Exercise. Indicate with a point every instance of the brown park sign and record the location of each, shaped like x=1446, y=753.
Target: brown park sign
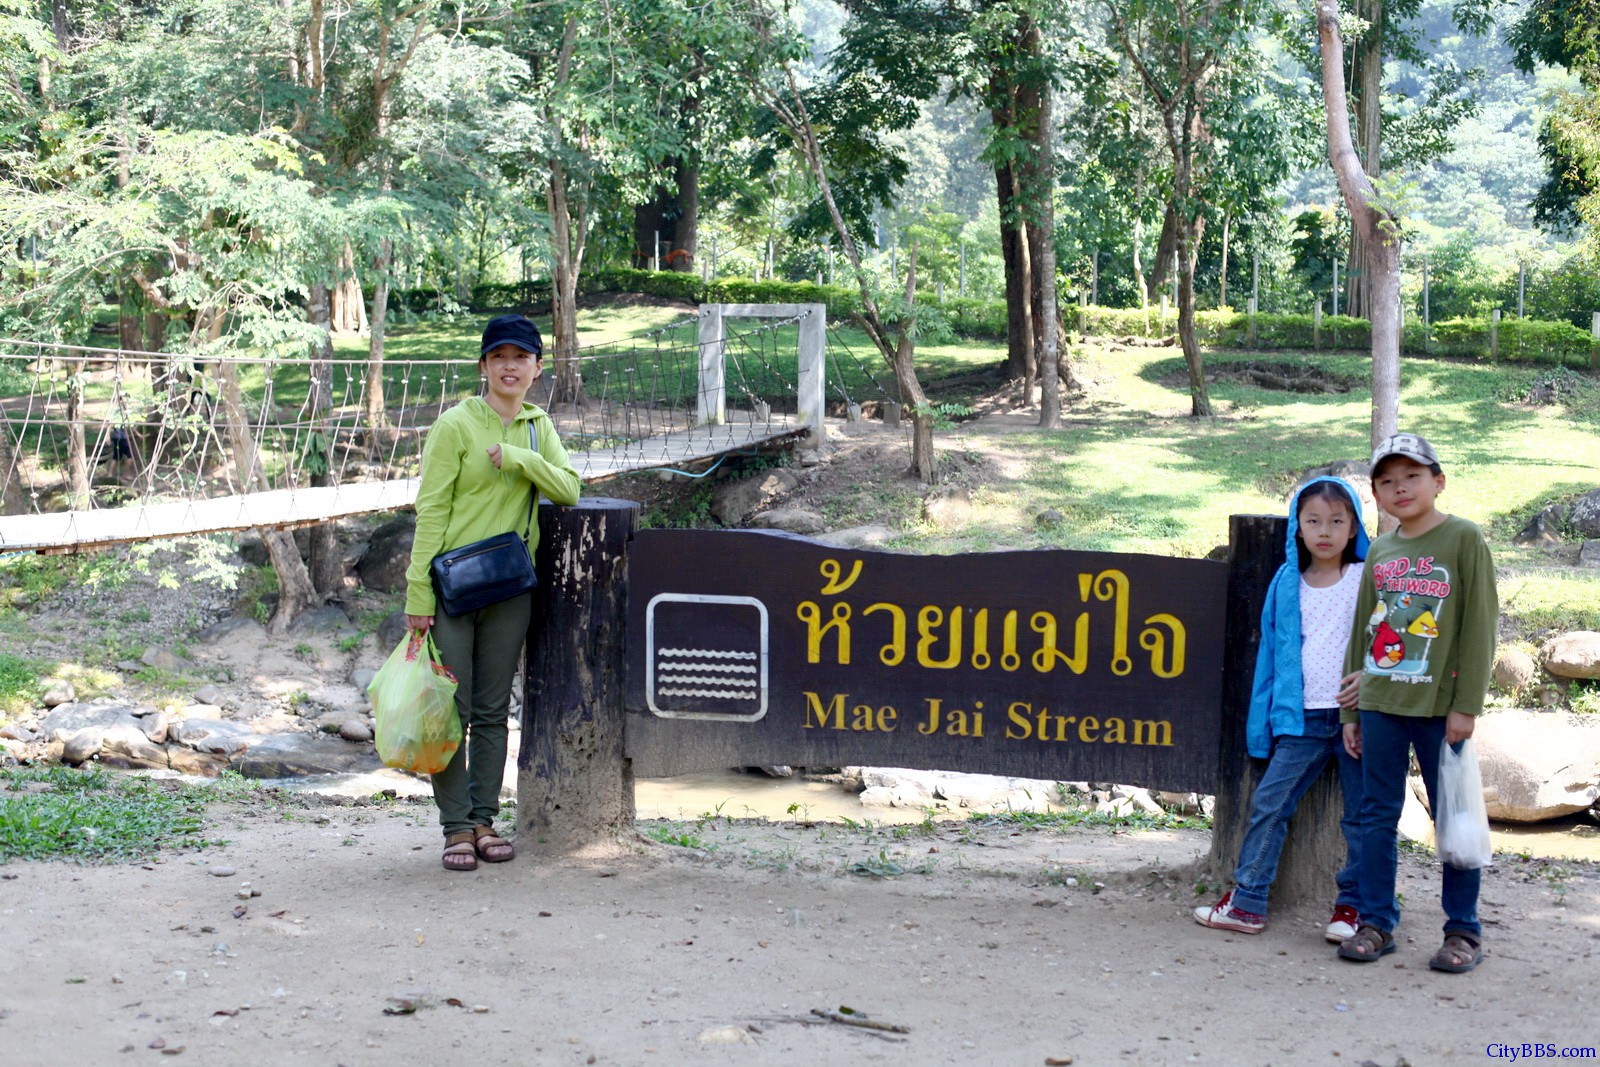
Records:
x=750, y=648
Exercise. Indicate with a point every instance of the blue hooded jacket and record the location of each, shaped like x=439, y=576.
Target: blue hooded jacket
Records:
x=1277, y=696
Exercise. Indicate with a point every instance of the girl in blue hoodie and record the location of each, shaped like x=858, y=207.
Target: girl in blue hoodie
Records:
x=1294, y=707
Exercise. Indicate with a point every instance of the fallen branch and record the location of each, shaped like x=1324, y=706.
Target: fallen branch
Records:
x=865, y=1024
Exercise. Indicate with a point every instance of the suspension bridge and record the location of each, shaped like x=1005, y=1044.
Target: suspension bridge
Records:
x=100, y=447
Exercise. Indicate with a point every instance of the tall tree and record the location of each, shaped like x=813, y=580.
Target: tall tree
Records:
x=1378, y=225
x=1566, y=33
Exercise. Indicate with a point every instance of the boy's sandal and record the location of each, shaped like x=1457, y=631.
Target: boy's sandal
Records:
x=491, y=847
x=1367, y=944
x=1459, y=954
x=459, y=854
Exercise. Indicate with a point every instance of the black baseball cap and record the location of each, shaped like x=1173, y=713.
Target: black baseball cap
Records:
x=512, y=330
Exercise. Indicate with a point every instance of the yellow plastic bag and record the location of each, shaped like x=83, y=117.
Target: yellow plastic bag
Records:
x=414, y=701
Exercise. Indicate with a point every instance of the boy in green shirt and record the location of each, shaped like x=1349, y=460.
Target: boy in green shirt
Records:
x=1417, y=669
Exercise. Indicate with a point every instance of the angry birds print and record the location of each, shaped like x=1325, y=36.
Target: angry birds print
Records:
x=1387, y=647
x=1424, y=626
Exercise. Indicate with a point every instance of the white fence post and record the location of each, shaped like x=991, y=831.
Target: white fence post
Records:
x=813, y=362
x=711, y=404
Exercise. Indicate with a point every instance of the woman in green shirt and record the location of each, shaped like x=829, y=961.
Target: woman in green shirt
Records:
x=480, y=462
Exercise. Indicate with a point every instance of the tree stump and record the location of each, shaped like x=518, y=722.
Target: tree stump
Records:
x=574, y=786
x=1314, y=850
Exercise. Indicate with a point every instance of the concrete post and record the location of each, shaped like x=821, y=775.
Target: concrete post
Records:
x=711, y=403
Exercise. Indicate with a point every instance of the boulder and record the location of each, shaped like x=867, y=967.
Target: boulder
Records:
x=1573, y=655
x=228, y=627
x=1589, y=554
x=58, y=694
x=155, y=727
x=82, y=745
x=208, y=694
x=127, y=746
x=324, y=620
x=1583, y=515
x=1049, y=519
x=296, y=755
x=362, y=677
x=1538, y=765
x=252, y=549
x=215, y=737
x=200, y=764
x=1514, y=670
x=383, y=566
x=355, y=730
x=70, y=719
x=391, y=631
x=789, y=520
x=1544, y=528
x=858, y=537
x=732, y=501
x=163, y=659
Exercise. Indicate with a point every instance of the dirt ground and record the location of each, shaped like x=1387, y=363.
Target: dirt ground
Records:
x=995, y=946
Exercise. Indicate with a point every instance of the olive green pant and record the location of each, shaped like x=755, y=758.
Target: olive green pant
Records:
x=482, y=649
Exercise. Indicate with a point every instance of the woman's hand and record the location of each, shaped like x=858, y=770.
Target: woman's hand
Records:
x=494, y=455
x=420, y=623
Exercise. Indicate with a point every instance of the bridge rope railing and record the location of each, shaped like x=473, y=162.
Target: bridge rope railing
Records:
x=85, y=428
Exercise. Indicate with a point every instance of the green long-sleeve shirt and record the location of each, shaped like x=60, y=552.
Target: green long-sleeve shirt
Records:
x=1424, y=630
x=463, y=497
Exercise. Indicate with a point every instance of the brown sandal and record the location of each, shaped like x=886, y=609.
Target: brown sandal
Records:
x=459, y=853
x=1367, y=944
x=1459, y=954
x=491, y=848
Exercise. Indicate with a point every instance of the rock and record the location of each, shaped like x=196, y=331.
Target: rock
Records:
x=200, y=764
x=294, y=755
x=127, y=746
x=1049, y=519
x=946, y=504
x=155, y=727
x=252, y=549
x=880, y=796
x=129, y=666
x=325, y=620
x=732, y=501
x=777, y=770
x=1537, y=765
x=228, y=627
x=70, y=719
x=812, y=457
x=208, y=694
x=1573, y=655
x=82, y=745
x=1583, y=515
x=1589, y=554
x=388, y=555
x=215, y=737
x=58, y=694
x=222, y=872
x=1514, y=670
x=17, y=732
x=362, y=677
x=344, y=701
x=163, y=659
x=858, y=537
x=355, y=730
x=1544, y=528
x=789, y=520
x=391, y=631
x=1220, y=553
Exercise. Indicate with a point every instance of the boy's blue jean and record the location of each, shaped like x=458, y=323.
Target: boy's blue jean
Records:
x=1296, y=764
x=1386, y=743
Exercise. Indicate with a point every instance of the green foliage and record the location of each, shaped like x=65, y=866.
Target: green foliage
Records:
x=93, y=817
x=19, y=684
x=674, y=836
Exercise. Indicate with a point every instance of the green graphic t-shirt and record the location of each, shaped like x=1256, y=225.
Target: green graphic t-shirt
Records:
x=1424, y=631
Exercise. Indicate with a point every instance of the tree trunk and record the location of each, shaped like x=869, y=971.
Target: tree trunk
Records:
x=563, y=291
x=1189, y=235
x=1166, y=250
x=373, y=411
x=654, y=227
x=348, y=312
x=1020, y=362
x=1380, y=232
x=574, y=786
x=1222, y=288
x=1366, y=86
x=327, y=568
x=1139, y=282
x=1043, y=252
x=295, y=592
x=687, y=236
x=77, y=451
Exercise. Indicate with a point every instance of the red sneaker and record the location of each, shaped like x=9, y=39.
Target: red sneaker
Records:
x=1343, y=925
x=1224, y=916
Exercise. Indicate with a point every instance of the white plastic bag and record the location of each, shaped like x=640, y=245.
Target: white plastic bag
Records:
x=1461, y=821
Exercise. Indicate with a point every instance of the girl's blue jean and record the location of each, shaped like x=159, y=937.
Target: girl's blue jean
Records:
x=1296, y=764
x=1386, y=744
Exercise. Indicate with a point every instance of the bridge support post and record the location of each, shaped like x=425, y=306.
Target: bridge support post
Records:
x=813, y=359
x=711, y=404
x=574, y=786
x=1315, y=848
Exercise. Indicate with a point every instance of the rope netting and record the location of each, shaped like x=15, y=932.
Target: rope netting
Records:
x=85, y=429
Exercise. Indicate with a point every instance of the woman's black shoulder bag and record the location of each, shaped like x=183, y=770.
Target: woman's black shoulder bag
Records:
x=486, y=572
